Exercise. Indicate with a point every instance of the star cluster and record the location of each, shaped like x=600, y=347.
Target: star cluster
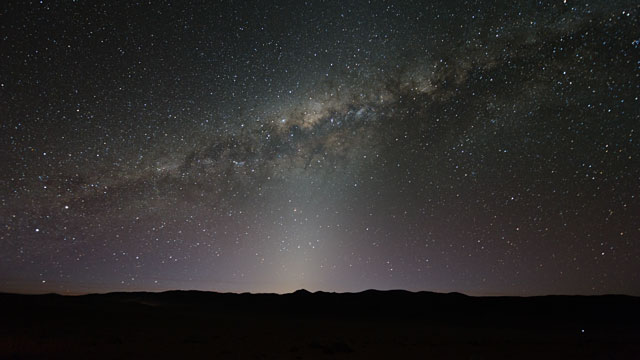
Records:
x=444, y=146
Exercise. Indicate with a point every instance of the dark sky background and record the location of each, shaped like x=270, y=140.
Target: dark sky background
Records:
x=479, y=147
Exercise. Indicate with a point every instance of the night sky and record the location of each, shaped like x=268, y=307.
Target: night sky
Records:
x=480, y=147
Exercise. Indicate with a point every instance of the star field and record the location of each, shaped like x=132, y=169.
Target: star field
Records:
x=444, y=146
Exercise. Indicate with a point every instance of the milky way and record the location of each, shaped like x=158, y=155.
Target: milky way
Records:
x=444, y=146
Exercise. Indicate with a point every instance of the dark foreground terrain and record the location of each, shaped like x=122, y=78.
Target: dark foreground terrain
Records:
x=302, y=325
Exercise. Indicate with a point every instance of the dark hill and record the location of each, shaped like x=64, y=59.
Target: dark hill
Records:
x=304, y=325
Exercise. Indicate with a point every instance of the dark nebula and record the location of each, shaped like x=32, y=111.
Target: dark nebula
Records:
x=484, y=148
